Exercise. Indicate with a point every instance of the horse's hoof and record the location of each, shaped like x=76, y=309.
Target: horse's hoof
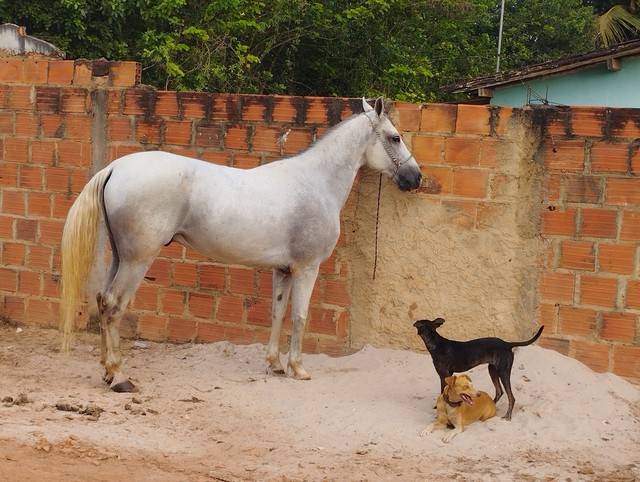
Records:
x=124, y=387
x=275, y=371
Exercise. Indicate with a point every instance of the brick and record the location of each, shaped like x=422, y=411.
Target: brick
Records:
x=56, y=179
x=8, y=280
x=598, y=290
x=185, y=274
x=266, y=139
x=230, y=308
x=626, y=361
x=588, y=121
x=43, y=152
x=584, y=189
x=26, y=124
x=31, y=177
x=285, y=108
x=13, y=202
x=124, y=74
x=599, y=223
x=593, y=355
x=557, y=287
x=137, y=102
x=177, y=133
x=193, y=104
x=119, y=128
x=471, y=183
x=13, y=254
x=503, y=117
x=146, y=298
x=609, y=157
x=166, y=103
x=564, y=155
x=242, y=280
x=159, y=272
x=16, y=150
x=39, y=204
x=75, y=100
x=172, y=301
x=336, y=292
x=577, y=255
x=428, y=149
x=77, y=127
x=152, y=327
x=14, y=308
x=316, y=111
x=556, y=344
x=6, y=227
x=39, y=312
x=51, y=231
x=236, y=138
x=61, y=71
x=200, y=306
x=259, y=313
x=577, y=321
x=633, y=294
x=473, y=119
x=439, y=118
x=618, y=259
x=39, y=258
x=26, y=229
x=29, y=283
x=556, y=222
x=245, y=161
x=20, y=97
x=239, y=335
x=7, y=123
x=208, y=135
x=490, y=152
x=61, y=204
x=409, y=116
x=11, y=70
x=212, y=277
x=630, y=230
x=322, y=321
x=8, y=175
x=619, y=327
x=52, y=125
x=623, y=191
x=148, y=131
x=296, y=140
x=254, y=108
x=181, y=331
x=460, y=151
x=209, y=333
x=82, y=74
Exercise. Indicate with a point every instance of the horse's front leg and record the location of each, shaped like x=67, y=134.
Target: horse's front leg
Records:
x=303, y=283
x=281, y=290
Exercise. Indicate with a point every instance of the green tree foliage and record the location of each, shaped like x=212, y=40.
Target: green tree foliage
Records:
x=405, y=49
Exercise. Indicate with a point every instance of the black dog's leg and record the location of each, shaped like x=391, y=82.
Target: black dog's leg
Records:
x=493, y=373
x=504, y=371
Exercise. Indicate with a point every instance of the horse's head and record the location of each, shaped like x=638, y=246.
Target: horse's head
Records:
x=388, y=154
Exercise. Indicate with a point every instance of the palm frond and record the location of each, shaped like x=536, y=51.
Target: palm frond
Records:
x=618, y=25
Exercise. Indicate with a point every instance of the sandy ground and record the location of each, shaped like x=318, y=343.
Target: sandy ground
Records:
x=210, y=413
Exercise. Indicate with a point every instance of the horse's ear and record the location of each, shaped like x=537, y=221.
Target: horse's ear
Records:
x=379, y=106
x=365, y=105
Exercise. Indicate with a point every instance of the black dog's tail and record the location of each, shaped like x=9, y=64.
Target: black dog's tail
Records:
x=528, y=342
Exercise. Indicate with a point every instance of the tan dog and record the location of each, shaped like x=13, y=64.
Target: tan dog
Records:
x=459, y=405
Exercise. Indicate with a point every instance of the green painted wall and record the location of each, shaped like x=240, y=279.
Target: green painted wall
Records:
x=593, y=86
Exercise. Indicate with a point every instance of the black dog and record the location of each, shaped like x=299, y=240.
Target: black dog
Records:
x=451, y=356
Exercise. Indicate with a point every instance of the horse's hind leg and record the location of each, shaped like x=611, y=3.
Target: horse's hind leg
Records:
x=281, y=290
x=111, y=305
x=303, y=283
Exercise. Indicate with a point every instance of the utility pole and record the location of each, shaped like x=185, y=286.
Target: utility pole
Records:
x=500, y=36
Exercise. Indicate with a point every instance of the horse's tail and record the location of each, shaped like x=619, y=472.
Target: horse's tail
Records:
x=79, y=239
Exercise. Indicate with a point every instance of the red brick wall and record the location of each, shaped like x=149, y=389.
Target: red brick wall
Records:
x=589, y=290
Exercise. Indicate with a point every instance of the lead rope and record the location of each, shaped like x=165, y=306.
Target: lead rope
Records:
x=375, y=249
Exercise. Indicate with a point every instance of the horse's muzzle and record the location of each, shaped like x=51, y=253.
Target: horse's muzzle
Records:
x=408, y=177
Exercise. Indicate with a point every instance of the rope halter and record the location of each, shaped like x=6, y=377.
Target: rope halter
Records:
x=387, y=147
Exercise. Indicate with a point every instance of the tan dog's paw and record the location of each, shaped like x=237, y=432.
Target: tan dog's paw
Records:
x=427, y=430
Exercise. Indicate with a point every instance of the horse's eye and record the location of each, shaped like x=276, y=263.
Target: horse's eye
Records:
x=395, y=138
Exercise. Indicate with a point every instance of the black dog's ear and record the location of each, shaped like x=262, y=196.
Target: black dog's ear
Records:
x=438, y=321
x=418, y=323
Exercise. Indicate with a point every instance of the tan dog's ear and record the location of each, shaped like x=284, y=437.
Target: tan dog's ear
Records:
x=450, y=380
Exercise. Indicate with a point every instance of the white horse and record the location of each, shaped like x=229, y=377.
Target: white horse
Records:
x=284, y=215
